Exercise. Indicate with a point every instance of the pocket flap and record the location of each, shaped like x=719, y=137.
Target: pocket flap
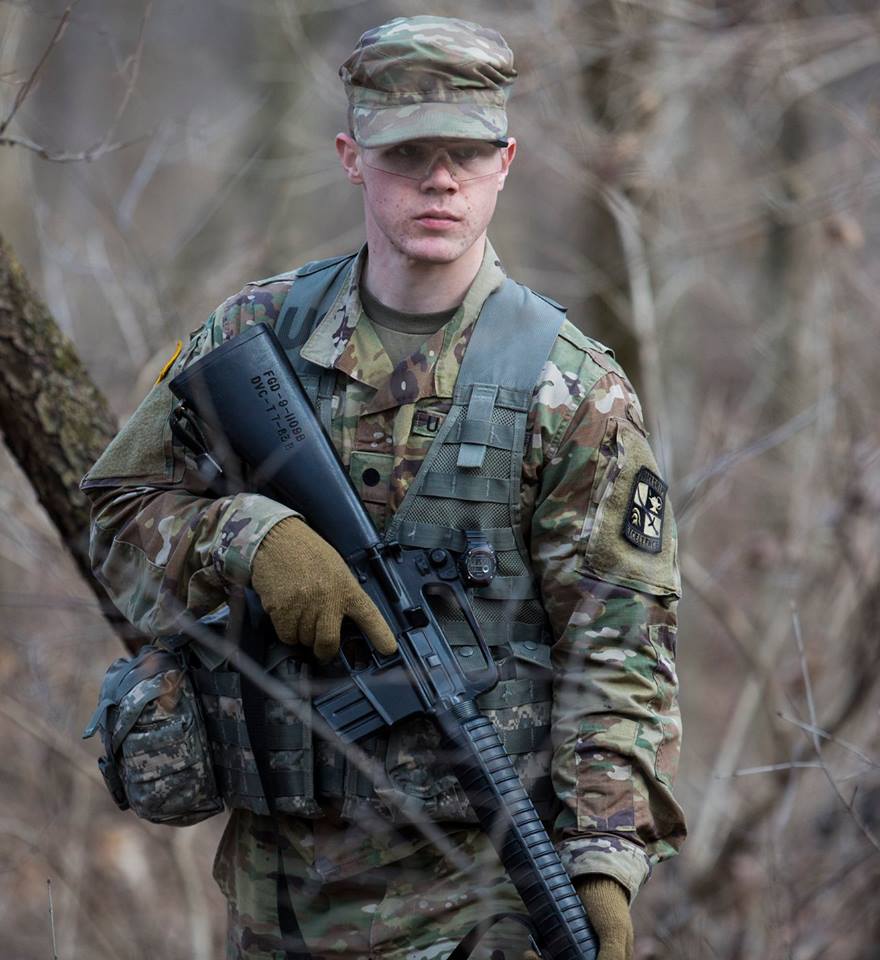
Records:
x=530, y=651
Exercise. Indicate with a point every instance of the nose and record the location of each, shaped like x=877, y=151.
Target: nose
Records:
x=439, y=175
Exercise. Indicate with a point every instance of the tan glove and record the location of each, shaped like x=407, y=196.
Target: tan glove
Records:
x=607, y=906
x=307, y=589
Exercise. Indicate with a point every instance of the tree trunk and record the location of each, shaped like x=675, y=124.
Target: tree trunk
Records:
x=54, y=419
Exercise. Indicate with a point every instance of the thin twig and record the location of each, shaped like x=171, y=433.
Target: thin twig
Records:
x=104, y=146
x=805, y=673
x=788, y=765
x=22, y=94
x=52, y=920
x=626, y=218
x=30, y=721
x=133, y=67
x=773, y=768
x=105, y=926
x=849, y=805
x=33, y=601
x=82, y=156
x=690, y=484
x=819, y=732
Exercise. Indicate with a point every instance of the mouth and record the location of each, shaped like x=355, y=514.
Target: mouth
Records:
x=437, y=218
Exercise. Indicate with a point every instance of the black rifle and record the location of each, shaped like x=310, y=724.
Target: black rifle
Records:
x=247, y=394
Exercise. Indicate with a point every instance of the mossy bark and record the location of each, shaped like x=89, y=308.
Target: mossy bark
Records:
x=54, y=419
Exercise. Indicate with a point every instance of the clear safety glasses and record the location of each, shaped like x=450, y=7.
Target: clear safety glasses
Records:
x=416, y=159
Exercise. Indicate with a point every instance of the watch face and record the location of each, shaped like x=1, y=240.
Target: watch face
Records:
x=480, y=565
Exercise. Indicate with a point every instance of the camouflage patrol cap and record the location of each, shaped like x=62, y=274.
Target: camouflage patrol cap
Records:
x=428, y=77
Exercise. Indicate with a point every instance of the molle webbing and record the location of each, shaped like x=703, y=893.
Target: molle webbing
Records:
x=285, y=740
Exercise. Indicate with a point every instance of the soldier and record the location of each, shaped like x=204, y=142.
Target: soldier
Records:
x=581, y=616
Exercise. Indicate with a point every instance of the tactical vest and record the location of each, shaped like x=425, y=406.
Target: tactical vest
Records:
x=467, y=487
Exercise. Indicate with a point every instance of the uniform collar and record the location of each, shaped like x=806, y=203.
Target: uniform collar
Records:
x=346, y=340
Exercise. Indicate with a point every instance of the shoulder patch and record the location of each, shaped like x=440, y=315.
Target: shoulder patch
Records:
x=643, y=524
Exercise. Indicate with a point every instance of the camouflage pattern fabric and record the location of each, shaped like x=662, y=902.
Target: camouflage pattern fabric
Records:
x=159, y=546
x=417, y=907
x=157, y=752
x=428, y=77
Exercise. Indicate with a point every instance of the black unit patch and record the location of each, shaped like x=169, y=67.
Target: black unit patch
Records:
x=643, y=526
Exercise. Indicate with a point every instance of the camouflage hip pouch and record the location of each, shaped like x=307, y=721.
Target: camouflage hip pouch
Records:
x=158, y=759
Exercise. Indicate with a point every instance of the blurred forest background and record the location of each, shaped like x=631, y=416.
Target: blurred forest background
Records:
x=698, y=182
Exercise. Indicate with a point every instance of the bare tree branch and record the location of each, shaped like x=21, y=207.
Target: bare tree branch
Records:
x=28, y=85
x=80, y=156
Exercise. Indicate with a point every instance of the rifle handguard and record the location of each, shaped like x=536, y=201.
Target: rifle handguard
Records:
x=508, y=816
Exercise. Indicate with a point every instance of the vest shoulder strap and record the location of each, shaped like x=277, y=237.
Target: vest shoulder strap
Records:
x=315, y=286
x=512, y=339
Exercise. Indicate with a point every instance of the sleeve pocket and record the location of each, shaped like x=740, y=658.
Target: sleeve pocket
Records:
x=609, y=553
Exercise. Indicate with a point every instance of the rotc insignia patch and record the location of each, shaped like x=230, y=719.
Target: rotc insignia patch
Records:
x=643, y=526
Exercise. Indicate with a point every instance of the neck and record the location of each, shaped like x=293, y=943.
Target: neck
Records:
x=420, y=286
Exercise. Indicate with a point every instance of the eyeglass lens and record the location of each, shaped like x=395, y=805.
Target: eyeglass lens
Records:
x=415, y=161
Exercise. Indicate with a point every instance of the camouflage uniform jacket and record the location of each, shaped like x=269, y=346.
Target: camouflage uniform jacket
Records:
x=159, y=546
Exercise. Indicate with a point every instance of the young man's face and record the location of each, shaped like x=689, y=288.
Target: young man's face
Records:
x=429, y=200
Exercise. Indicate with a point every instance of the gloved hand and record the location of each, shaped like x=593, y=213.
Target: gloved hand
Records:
x=607, y=906
x=307, y=589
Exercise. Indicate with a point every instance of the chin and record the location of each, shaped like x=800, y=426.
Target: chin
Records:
x=435, y=249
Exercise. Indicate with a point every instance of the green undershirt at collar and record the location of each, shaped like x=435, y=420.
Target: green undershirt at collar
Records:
x=402, y=333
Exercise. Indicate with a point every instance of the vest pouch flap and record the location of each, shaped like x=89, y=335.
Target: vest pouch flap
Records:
x=98, y=718
x=530, y=651
x=276, y=654
x=122, y=676
x=135, y=702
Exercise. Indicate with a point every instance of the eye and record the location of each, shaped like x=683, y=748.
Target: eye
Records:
x=465, y=154
x=408, y=152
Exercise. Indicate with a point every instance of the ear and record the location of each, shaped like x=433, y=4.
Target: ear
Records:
x=350, y=157
x=507, y=156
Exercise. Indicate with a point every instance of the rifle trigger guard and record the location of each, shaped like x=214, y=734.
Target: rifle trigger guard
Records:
x=487, y=677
